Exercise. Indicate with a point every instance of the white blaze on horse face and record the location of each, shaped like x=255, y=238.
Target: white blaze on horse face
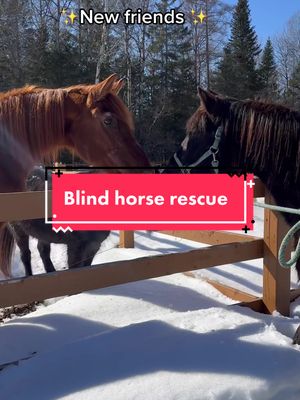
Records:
x=185, y=143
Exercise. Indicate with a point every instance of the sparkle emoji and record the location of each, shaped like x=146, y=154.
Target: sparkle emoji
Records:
x=201, y=17
x=69, y=18
x=72, y=17
x=198, y=18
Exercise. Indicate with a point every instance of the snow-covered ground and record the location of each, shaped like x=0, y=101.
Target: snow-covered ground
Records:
x=174, y=337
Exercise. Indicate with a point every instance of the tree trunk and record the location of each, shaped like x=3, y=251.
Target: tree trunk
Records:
x=128, y=66
x=207, y=54
x=102, y=48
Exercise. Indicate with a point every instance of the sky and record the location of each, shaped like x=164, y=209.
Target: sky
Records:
x=270, y=16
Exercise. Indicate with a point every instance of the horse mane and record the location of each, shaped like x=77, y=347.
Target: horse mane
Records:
x=34, y=117
x=269, y=135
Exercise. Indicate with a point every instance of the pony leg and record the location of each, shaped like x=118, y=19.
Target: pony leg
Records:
x=44, y=250
x=89, y=253
x=90, y=246
x=76, y=254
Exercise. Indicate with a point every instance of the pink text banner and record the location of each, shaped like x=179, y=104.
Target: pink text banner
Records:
x=152, y=202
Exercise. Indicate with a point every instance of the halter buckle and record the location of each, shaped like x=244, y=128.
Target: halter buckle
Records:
x=215, y=163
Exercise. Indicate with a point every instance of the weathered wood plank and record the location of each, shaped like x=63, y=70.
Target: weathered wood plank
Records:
x=255, y=305
x=127, y=239
x=276, y=280
x=228, y=291
x=210, y=237
x=74, y=281
x=259, y=305
x=232, y=293
x=22, y=206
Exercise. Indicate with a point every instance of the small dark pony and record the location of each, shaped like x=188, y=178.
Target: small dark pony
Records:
x=90, y=120
x=81, y=246
x=246, y=136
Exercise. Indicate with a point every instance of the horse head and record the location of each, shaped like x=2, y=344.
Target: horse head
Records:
x=99, y=127
x=202, y=145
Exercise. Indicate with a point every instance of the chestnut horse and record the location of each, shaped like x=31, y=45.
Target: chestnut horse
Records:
x=89, y=120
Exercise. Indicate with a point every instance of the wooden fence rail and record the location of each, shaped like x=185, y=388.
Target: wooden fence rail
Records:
x=225, y=248
x=73, y=281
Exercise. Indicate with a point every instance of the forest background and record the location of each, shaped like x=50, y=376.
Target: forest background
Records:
x=163, y=64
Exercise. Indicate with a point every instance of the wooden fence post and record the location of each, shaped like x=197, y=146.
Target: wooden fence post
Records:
x=276, y=280
x=127, y=239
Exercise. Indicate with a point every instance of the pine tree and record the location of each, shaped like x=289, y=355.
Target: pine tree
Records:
x=170, y=86
x=241, y=80
x=268, y=73
x=14, y=22
x=224, y=74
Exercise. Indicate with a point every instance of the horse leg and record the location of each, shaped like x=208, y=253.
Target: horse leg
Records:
x=44, y=250
x=76, y=254
x=89, y=252
x=22, y=240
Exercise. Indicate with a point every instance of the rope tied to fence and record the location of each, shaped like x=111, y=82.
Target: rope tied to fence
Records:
x=288, y=237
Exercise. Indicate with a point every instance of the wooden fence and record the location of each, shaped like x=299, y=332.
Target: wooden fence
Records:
x=224, y=248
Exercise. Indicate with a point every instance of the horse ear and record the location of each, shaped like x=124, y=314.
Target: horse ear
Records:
x=210, y=101
x=100, y=90
x=118, y=86
x=213, y=103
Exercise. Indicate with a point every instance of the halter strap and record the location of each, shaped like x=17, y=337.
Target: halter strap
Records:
x=213, y=151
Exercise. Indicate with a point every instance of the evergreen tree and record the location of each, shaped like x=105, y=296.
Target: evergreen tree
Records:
x=268, y=73
x=14, y=22
x=170, y=86
x=237, y=74
x=224, y=74
x=37, y=68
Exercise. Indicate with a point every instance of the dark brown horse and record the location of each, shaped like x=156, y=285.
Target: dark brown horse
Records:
x=82, y=246
x=256, y=137
x=246, y=136
x=90, y=120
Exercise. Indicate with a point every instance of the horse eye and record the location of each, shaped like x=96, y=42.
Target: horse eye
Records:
x=108, y=121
